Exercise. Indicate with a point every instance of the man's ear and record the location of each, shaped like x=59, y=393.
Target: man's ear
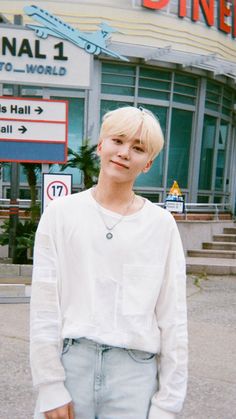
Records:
x=99, y=147
x=148, y=166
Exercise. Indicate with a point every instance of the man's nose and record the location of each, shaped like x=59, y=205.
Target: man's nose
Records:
x=124, y=151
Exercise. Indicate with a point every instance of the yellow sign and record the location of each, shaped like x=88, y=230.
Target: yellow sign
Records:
x=175, y=189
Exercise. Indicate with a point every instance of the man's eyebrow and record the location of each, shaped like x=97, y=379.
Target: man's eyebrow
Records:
x=124, y=136
x=137, y=140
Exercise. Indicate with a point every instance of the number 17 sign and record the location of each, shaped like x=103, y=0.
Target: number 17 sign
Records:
x=54, y=186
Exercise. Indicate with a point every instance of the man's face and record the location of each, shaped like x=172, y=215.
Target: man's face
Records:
x=122, y=158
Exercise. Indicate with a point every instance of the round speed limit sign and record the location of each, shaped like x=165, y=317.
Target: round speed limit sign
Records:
x=56, y=189
x=55, y=185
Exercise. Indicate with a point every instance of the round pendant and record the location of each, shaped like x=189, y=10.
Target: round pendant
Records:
x=109, y=236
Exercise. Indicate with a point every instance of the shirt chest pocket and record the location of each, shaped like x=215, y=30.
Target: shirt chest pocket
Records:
x=141, y=286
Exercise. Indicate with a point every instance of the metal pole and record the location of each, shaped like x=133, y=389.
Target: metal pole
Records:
x=45, y=169
x=14, y=210
x=14, y=204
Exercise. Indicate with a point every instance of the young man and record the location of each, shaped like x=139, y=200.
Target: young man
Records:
x=108, y=309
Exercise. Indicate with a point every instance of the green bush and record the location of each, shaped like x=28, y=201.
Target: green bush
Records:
x=25, y=234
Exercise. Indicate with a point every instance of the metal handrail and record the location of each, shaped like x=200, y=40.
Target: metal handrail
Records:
x=213, y=207
x=210, y=206
x=21, y=203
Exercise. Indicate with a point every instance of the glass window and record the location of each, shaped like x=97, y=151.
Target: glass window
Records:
x=108, y=68
x=185, y=89
x=118, y=90
x=217, y=199
x=207, y=153
x=227, y=103
x=118, y=79
x=24, y=194
x=6, y=172
x=180, y=140
x=22, y=174
x=8, y=90
x=213, y=96
x=221, y=154
x=155, y=73
x=31, y=91
x=186, y=79
x=202, y=199
x=154, y=94
x=154, y=177
x=183, y=99
x=154, y=84
x=23, y=177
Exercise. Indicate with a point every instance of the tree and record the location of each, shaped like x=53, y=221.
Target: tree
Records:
x=87, y=161
x=25, y=230
x=31, y=171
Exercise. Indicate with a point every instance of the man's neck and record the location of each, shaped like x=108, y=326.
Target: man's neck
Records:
x=117, y=196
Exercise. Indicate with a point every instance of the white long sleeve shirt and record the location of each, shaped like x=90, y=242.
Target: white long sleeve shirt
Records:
x=128, y=291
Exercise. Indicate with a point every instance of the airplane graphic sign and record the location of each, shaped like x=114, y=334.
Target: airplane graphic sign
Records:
x=92, y=42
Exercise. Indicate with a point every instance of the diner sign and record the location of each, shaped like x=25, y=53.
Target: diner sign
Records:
x=223, y=16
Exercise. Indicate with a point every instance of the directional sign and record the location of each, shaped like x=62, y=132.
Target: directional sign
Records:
x=26, y=131
x=33, y=130
x=54, y=186
x=40, y=110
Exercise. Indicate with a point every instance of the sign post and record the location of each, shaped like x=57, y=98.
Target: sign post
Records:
x=14, y=211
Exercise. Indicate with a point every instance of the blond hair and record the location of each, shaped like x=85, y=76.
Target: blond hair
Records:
x=127, y=121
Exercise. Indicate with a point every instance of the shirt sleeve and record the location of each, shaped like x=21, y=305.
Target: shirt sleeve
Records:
x=45, y=319
x=171, y=313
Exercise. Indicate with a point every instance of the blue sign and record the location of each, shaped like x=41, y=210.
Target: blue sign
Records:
x=33, y=131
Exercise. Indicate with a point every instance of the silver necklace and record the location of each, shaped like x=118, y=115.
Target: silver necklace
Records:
x=109, y=233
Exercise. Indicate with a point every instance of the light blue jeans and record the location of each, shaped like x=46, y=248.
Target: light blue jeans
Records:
x=107, y=382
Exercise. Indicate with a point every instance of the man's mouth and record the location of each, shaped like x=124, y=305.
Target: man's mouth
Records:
x=120, y=164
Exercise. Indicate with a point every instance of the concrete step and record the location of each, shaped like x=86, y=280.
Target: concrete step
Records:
x=9, y=269
x=211, y=266
x=18, y=280
x=225, y=238
x=208, y=253
x=14, y=291
x=15, y=283
x=229, y=230
x=219, y=245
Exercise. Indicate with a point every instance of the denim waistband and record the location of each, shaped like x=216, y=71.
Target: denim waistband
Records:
x=90, y=342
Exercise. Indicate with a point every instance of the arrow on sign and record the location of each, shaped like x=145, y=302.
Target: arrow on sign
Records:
x=39, y=110
x=22, y=129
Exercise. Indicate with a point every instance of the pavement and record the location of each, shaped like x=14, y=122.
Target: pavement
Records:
x=212, y=353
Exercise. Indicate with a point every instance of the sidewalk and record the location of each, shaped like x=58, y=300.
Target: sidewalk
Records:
x=212, y=352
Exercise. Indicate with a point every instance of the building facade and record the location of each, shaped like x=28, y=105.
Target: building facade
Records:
x=182, y=67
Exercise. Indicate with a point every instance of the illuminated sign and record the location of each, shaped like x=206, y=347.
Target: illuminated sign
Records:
x=226, y=12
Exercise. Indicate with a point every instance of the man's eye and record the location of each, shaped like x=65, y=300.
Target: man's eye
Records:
x=140, y=149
